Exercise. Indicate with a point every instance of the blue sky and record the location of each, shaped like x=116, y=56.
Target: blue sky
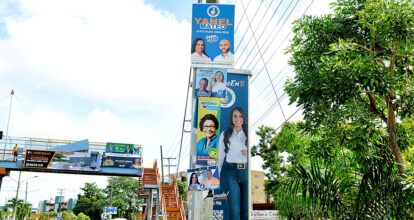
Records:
x=112, y=71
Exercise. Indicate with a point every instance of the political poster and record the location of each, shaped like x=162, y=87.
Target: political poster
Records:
x=203, y=178
x=80, y=161
x=121, y=162
x=208, y=130
x=233, y=156
x=122, y=148
x=212, y=40
x=211, y=83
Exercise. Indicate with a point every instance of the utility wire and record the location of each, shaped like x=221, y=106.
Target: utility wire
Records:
x=276, y=33
x=264, y=29
x=185, y=113
x=240, y=21
x=261, y=2
x=273, y=39
x=263, y=59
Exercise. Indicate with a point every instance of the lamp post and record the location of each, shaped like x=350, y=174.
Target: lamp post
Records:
x=17, y=193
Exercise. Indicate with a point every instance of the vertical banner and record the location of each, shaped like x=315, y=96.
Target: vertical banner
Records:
x=211, y=82
x=212, y=35
x=208, y=130
x=233, y=151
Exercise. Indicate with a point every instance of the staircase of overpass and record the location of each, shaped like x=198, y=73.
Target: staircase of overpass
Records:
x=167, y=203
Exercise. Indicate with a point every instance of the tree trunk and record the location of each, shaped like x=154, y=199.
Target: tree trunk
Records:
x=392, y=130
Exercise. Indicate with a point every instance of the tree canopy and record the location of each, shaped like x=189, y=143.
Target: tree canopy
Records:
x=120, y=192
x=357, y=66
x=352, y=155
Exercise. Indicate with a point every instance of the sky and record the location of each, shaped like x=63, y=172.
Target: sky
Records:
x=117, y=71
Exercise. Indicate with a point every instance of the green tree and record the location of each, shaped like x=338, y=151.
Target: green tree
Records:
x=325, y=174
x=68, y=215
x=91, y=202
x=82, y=216
x=122, y=192
x=23, y=209
x=357, y=66
x=44, y=216
x=182, y=189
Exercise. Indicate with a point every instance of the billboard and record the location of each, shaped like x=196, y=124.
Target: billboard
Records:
x=121, y=162
x=39, y=159
x=211, y=83
x=203, y=178
x=212, y=40
x=81, y=161
x=208, y=130
x=122, y=148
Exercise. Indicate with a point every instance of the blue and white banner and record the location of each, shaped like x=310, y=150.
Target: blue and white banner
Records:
x=212, y=41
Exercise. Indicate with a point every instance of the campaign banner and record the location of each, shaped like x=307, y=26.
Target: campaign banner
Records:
x=122, y=148
x=39, y=159
x=212, y=35
x=80, y=161
x=203, y=178
x=121, y=162
x=211, y=83
x=208, y=130
x=233, y=156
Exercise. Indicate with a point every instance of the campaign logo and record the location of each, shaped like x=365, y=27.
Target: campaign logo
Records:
x=229, y=100
x=213, y=11
x=212, y=38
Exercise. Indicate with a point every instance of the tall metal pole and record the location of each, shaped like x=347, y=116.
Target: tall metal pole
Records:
x=162, y=166
x=25, y=198
x=17, y=196
x=8, y=121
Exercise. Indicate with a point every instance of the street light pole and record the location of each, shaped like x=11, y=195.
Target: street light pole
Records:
x=17, y=196
x=17, y=192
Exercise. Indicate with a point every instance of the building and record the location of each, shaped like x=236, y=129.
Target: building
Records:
x=258, y=193
x=57, y=204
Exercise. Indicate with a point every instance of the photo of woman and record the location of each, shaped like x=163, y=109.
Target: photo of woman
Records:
x=217, y=86
x=233, y=164
x=198, y=51
x=193, y=183
x=207, y=146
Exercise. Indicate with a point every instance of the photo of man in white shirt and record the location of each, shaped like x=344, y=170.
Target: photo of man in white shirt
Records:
x=226, y=55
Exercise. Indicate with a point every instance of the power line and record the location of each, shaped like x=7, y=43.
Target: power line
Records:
x=276, y=34
x=263, y=60
x=261, y=2
x=264, y=29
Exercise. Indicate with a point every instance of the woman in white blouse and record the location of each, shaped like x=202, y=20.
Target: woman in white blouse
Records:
x=233, y=164
x=198, y=52
x=217, y=86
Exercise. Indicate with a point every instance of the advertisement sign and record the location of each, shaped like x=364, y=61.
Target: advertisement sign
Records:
x=121, y=162
x=233, y=145
x=212, y=40
x=110, y=210
x=208, y=130
x=38, y=158
x=263, y=214
x=203, y=178
x=122, y=148
x=211, y=83
x=76, y=161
